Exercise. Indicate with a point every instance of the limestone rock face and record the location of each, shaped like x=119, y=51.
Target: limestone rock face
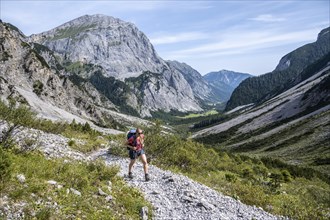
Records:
x=125, y=53
x=170, y=91
x=28, y=78
x=118, y=46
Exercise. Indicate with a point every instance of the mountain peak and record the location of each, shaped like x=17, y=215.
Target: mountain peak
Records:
x=95, y=21
x=98, y=18
x=103, y=40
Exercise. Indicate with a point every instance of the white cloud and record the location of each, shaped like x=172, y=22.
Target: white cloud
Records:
x=245, y=42
x=176, y=38
x=267, y=18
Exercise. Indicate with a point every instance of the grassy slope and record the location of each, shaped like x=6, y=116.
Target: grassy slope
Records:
x=267, y=183
x=304, y=143
x=85, y=177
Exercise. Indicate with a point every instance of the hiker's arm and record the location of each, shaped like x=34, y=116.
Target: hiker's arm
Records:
x=130, y=146
x=142, y=140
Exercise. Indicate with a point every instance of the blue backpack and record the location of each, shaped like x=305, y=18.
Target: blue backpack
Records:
x=131, y=133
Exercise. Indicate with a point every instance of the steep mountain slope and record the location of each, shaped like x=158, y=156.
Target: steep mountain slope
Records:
x=200, y=87
x=293, y=125
x=261, y=88
x=124, y=53
x=224, y=82
x=28, y=78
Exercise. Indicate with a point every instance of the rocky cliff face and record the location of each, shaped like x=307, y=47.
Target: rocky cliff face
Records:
x=118, y=46
x=169, y=90
x=125, y=53
x=29, y=78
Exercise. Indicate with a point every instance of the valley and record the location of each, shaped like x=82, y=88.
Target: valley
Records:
x=74, y=91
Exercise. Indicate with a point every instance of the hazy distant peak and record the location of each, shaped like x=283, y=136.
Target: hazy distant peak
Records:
x=232, y=72
x=223, y=72
x=230, y=78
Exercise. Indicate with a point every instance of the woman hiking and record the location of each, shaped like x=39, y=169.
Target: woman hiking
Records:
x=135, y=145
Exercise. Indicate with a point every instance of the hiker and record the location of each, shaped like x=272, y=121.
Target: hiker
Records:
x=135, y=145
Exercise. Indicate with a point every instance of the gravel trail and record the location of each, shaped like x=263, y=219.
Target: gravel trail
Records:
x=175, y=196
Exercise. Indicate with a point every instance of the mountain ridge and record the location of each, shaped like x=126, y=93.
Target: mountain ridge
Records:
x=261, y=88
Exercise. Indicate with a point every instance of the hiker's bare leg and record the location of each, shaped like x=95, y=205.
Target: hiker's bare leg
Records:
x=145, y=163
x=130, y=166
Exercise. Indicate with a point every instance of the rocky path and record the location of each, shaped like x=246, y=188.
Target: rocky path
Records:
x=175, y=196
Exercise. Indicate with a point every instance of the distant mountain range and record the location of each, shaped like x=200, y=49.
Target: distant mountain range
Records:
x=224, y=82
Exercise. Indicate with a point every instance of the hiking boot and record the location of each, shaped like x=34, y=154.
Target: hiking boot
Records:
x=130, y=175
x=147, y=177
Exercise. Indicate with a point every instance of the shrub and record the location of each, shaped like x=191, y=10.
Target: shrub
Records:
x=17, y=117
x=230, y=177
x=103, y=172
x=261, y=170
x=38, y=87
x=28, y=144
x=71, y=143
x=44, y=213
x=286, y=176
x=247, y=173
x=5, y=166
x=276, y=179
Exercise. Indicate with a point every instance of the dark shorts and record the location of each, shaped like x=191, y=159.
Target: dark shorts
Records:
x=135, y=154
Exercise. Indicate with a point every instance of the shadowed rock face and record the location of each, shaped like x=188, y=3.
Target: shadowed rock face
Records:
x=200, y=87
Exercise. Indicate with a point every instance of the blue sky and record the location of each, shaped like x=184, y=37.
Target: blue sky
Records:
x=244, y=36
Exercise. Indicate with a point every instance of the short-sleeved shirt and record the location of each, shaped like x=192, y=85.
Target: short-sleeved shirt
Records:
x=137, y=142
